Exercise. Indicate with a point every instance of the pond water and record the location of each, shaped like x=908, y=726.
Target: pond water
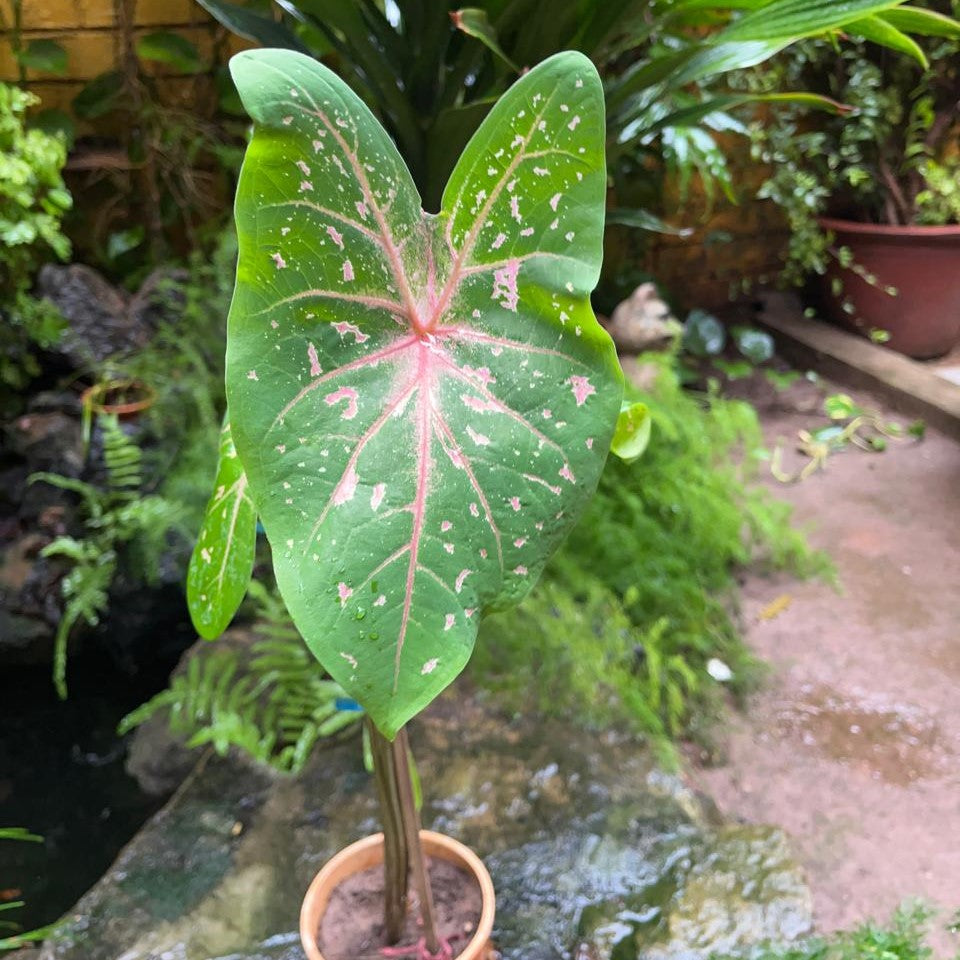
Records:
x=62, y=776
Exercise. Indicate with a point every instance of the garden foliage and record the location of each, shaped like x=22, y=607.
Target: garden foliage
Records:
x=643, y=594
x=33, y=201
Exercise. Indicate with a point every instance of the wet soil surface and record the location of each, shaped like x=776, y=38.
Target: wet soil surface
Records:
x=352, y=926
x=853, y=745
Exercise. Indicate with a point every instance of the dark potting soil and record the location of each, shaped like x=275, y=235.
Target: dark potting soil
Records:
x=352, y=926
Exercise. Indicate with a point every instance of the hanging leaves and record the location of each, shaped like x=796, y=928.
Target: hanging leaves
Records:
x=222, y=561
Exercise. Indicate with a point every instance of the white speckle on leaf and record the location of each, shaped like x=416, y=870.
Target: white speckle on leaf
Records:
x=574, y=123
x=474, y=510
x=581, y=387
x=287, y=121
x=344, y=393
x=347, y=271
x=461, y=576
x=346, y=488
x=315, y=368
x=344, y=592
x=305, y=185
x=505, y=285
x=278, y=260
x=304, y=169
x=335, y=236
x=498, y=241
x=567, y=473
x=519, y=542
x=520, y=571
x=381, y=600
x=448, y=547
x=349, y=658
x=343, y=328
x=431, y=665
x=376, y=498
x=554, y=201
x=515, y=503
x=479, y=439
x=252, y=375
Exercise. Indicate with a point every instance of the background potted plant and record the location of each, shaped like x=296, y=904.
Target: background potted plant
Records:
x=873, y=197
x=420, y=408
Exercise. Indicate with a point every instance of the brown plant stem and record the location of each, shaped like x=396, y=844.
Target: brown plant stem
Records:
x=411, y=826
x=395, y=858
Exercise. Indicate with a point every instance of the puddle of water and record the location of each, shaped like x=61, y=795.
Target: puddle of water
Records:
x=62, y=776
x=898, y=744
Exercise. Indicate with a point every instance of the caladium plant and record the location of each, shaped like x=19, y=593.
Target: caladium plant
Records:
x=421, y=404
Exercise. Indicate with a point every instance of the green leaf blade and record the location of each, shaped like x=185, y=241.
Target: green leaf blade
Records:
x=423, y=404
x=222, y=561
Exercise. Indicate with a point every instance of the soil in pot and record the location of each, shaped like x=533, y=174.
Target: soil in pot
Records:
x=352, y=925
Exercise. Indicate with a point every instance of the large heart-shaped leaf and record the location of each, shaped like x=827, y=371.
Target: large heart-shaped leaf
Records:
x=423, y=404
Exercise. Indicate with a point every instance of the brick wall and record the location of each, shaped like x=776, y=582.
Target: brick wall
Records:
x=89, y=31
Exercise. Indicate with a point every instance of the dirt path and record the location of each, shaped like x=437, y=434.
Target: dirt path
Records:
x=854, y=744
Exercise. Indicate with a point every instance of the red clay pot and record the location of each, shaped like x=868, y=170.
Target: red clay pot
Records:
x=923, y=263
x=368, y=852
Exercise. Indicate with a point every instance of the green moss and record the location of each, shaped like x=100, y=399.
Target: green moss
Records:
x=643, y=594
x=904, y=938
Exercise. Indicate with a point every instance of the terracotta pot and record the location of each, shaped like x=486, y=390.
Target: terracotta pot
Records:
x=121, y=397
x=923, y=263
x=368, y=852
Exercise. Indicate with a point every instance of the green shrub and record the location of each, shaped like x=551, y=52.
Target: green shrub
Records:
x=904, y=938
x=642, y=597
x=33, y=201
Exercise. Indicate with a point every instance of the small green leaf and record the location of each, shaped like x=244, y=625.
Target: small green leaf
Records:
x=222, y=560
x=734, y=369
x=121, y=242
x=45, y=56
x=100, y=96
x=885, y=34
x=55, y=122
x=703, y=334
x=755, y=345
x=782, y=380
x=794, y=19
x=171, y=49
x=632, y=434
x=924, y=22
x=841, y=406
x=879, y=336
x=474, y=22
x=252, y=26
x=645, y=220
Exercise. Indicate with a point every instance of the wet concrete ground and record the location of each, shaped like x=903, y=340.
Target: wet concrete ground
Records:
x=854, y=744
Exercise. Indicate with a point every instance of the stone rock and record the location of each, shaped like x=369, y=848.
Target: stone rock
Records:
x=642, y=322
x=575, y=828
x=158, y=759
x=104, y=321
x=98, y=323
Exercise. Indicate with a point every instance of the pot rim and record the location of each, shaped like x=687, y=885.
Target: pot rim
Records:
x=887, y=229
x=331, y=874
